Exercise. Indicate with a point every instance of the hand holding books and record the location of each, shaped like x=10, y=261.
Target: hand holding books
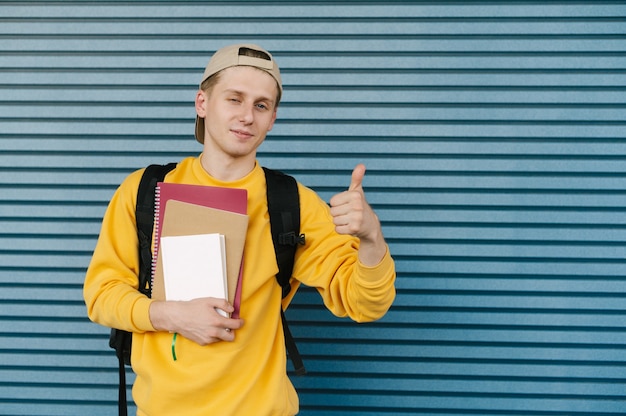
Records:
x=197, y=273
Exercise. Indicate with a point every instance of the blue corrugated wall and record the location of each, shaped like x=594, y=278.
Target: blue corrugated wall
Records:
x=495, y=138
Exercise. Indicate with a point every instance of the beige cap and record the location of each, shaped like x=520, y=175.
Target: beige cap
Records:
x=238, y=55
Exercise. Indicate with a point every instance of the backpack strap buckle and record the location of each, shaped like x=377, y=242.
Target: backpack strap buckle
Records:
x=291, y=239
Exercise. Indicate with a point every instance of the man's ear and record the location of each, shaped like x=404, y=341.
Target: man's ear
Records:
x=201, y=98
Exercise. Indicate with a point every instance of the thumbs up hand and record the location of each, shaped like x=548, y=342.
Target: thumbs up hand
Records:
x=352, y=214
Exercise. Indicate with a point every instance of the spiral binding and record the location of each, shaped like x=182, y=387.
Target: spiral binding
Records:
x=156, y=232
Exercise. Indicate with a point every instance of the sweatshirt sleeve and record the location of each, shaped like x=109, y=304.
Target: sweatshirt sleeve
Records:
x=329, y=262
x=110, y=287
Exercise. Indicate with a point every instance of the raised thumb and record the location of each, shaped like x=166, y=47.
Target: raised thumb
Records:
x=357, y=177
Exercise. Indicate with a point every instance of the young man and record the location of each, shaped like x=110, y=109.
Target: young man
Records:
x=229, y=366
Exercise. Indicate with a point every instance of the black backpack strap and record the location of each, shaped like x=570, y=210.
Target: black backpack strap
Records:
x=144, y=217
x=122, y=406
x=283, y=204
x=120, y=340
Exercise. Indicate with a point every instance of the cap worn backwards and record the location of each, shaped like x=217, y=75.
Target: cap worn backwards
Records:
x=238, y=55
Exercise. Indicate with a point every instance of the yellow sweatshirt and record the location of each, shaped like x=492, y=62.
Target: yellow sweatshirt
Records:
x=247, y=376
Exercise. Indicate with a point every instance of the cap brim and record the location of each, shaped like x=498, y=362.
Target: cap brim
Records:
x=200, y=129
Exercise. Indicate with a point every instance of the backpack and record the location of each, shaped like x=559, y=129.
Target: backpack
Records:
x=284, y=210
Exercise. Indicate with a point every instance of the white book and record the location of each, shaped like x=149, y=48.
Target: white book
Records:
x=194, y=266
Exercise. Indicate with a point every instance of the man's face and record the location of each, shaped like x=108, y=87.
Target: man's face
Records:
x=238, y=111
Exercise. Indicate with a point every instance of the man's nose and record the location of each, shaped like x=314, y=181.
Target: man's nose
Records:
x=246, y=114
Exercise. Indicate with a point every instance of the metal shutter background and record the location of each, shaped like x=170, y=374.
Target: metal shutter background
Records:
x=494, y=135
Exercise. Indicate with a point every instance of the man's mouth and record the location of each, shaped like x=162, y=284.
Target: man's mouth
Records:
x=242, y=134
